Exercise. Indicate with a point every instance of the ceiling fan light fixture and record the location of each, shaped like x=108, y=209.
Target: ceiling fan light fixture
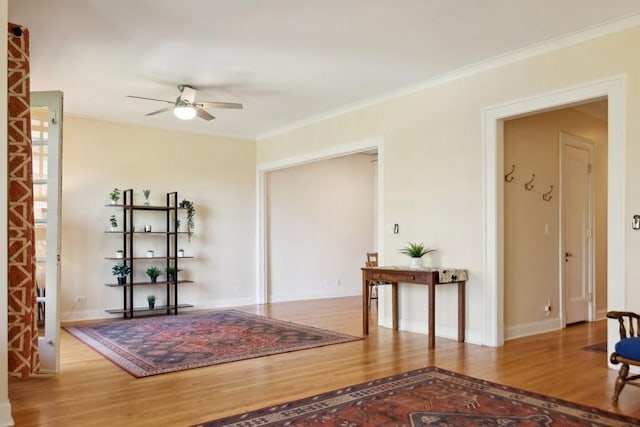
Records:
x=184, y=112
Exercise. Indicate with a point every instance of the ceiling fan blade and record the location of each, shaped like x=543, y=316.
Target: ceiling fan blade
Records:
x=151, y=99
x=204, y=115
x=153, y=113
x=214, y=104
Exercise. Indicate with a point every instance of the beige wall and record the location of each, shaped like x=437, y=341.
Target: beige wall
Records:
x=531, y=273
x=216, y=173
x=433, y=162
x=320, y=225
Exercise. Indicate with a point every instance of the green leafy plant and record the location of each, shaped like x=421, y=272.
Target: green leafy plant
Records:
x=191, y=213
x=113, y=221
x=415, y=250
x=153, y=272
x=121, y=270
x=115, y=195
x=172, y=273
x=151, y=298
x=146, y=193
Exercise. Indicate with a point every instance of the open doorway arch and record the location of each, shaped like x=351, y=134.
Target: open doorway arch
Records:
x=493, y=116
x=375, y=143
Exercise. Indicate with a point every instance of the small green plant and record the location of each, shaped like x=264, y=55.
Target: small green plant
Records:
x=113, y=221
x=121, y=270
x=191, y=213
x=172, y=273
x=415, y=250
x=146, y=193
x=177, y=224
x=115, y=195
x=153, y=272
x=151, y=300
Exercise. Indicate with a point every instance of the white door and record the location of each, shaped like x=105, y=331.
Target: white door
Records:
x=577, y=220
x=46, y=136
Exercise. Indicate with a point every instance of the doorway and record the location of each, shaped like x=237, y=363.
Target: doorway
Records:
x=545, y=224
x=493, y=119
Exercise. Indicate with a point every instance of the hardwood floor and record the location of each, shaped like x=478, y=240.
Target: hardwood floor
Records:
x=91, y=391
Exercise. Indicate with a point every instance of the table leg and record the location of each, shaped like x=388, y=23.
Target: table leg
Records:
x=432, y=315
x=365, y=304
x=461, y=311
x=394, y=306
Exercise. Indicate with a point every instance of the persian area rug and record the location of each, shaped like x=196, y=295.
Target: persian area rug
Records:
x=151, y=346
x=600, y=347
x=428, y=397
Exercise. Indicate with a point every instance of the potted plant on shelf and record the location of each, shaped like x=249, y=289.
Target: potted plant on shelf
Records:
x=119, y=253
x=151, y=299
x=416, y=251
x=114, y=196
x=191, y=212
x=153, y=272
x=172, y=274
x=146, y=196
x=114, y=222
x=121, y=271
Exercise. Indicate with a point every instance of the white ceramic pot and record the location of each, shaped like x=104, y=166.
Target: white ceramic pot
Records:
x=416, y=262
x=149, y=254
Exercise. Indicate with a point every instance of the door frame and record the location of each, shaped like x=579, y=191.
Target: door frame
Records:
x=49, y=343
x=588, y=145
x=493, y=141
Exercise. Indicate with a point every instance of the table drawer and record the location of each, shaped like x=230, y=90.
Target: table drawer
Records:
x=402, y=277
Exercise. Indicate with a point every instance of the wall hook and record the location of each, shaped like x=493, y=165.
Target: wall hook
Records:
x=529, y=185
x=508, y=177
x=547, y=196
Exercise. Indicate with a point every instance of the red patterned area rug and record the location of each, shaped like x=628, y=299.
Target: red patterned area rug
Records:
x=151, y=346
x=428, y=397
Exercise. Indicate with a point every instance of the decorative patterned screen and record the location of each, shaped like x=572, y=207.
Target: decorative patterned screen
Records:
x=23, y=358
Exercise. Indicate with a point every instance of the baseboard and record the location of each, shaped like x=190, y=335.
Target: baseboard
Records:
x=533, y=328
x=315, y=295
x=5, y=414
x=471, y=336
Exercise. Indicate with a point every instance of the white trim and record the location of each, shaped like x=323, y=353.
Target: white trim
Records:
x=493, y=116
x=469, y=70
x=331, y=152
x=533, y=328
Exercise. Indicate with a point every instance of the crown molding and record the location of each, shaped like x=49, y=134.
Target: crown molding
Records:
x=594, y=32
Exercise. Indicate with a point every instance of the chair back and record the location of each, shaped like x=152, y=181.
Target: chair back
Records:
x=628, y=323
x=372, y=259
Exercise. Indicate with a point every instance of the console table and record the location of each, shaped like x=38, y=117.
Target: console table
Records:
x=431, y=277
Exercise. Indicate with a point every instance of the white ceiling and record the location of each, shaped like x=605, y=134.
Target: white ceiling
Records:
x=287, y=61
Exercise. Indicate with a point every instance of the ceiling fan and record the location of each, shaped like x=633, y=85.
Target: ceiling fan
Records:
x=185, y=106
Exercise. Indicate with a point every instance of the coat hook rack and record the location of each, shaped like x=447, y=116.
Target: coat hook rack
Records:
x=547, y=196
x=529, y=185
x=508, y=177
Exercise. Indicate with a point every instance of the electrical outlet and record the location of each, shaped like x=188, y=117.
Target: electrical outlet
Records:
x=547, y=308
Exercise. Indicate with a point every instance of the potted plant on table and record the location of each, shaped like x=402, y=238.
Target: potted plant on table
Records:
x=151, y=299
x=121, y=271
x=416, y=251
x=153, y=272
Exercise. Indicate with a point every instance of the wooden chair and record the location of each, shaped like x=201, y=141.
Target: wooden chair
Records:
x=372, y=261
x=627, y=350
